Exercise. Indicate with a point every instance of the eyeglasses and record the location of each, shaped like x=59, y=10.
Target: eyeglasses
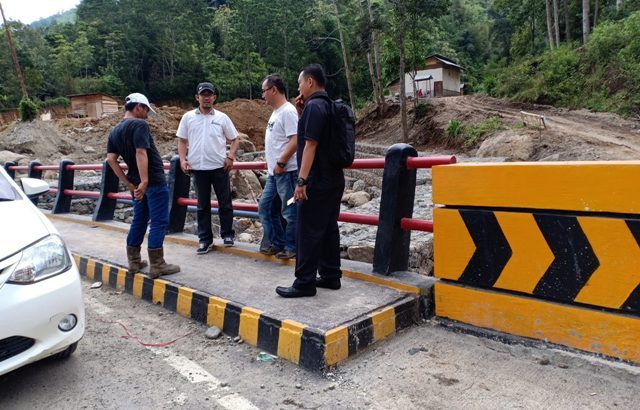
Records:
x=264, y=90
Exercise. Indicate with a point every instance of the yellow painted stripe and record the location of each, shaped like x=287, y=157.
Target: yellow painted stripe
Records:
x=592, y=330
x=531, y=255
x=183, y=305
x=138, y=279
x=290, y=340
x=452, y=244
x=122, y=277
x=77, y=258
x=336, y=345
x=619, y=255
x=596, y=186
x=159, y=289
x=91, y=266
x=384, y=323
x=381, y=281
x=105, y=273
x=248, y=330
x=215, y=311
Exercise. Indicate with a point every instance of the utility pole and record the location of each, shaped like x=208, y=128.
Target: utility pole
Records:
x=14, y=55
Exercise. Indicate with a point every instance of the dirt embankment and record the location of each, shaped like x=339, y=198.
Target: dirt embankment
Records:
x=84, y=140
x=569, y=135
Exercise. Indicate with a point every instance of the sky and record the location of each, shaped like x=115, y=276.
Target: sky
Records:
x=28, y=11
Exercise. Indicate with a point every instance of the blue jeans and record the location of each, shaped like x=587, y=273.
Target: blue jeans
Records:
x=154, y=206
x=282, y=186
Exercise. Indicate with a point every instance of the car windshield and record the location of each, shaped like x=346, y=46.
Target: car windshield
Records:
x=7, y=193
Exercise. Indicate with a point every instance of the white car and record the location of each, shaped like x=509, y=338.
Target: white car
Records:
x=41, y=308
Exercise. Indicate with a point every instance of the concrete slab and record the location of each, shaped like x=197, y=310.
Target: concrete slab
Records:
x=336, y=323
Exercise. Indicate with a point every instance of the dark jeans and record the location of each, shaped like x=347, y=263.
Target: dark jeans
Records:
x=154, y=206
x=318, y=237
x=219, y=179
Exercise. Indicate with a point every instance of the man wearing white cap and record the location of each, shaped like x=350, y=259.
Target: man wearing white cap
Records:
x=131, y=139
x=204, y=133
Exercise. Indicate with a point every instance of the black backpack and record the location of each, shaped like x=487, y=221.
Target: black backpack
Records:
x=342, y=145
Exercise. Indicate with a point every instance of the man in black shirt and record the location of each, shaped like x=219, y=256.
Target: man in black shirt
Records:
x=131, y=139
x=318, y=192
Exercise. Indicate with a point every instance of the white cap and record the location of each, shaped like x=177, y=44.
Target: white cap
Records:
x=140, y=99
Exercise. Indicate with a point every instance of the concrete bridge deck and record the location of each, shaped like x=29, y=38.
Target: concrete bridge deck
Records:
x=234, y=289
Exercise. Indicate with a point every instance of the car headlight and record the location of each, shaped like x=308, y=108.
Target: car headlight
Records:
x=43, y=259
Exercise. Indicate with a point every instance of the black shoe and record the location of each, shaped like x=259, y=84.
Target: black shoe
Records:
x=271, y=250
x=227, y=241
x=203, y=248
x=328, y=283
x=292, y=292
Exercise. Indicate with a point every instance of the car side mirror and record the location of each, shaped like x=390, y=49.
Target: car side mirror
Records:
x=34, y=187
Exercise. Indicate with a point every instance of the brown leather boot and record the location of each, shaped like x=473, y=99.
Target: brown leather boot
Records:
x=136, y=264
x=158, y=265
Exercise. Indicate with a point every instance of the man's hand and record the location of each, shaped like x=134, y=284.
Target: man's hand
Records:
x=277, y=170
x=299, y=104
x=300, y=194
x=228, y=164
x=140, y=190
x=131, y=188
x=185, y=166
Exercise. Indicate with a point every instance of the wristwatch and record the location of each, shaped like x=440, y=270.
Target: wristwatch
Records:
x=281, y=164
x=301, y=182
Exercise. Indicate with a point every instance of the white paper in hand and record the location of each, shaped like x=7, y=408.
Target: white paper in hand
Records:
x=291, y=201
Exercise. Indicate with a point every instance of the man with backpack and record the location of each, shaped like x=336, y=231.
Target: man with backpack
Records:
x=318, y=191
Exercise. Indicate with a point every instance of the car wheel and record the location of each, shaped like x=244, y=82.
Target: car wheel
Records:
x=66, y=352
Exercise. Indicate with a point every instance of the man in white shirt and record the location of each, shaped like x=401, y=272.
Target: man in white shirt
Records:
x=280, y=148
x=204, y=132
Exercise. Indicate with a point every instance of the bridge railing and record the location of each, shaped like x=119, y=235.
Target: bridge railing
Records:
x=395, y=218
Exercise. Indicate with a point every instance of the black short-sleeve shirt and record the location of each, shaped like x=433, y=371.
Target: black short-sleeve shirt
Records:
x=134, y=133
x=314, y=124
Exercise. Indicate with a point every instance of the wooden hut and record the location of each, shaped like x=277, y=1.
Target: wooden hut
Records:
x=94, y=105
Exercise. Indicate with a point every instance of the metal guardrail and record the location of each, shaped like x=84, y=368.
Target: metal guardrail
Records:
x=394, y=220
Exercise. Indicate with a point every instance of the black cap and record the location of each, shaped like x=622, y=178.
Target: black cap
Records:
x=206, y=86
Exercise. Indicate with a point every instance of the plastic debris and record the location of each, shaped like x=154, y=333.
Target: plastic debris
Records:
x=265, y=357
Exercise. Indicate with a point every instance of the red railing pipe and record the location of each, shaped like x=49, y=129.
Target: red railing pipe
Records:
x=428, y=162
x=416, y=224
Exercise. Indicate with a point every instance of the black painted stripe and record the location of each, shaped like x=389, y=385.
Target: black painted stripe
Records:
x=171, y=297
x=232, y=319
x=199, y=307
x=360, y=335
x=97, y=270
x=406, y=313
x=82, y=267
x=492, y=249
x=312, y=349
x=128, y=283
x=632, y=303
x=574, y=261
x=269, y=334
x=147, y=289
x=113, y=276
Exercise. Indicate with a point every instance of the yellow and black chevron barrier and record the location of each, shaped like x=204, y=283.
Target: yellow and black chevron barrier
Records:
x=547, y=251
x=296, y=342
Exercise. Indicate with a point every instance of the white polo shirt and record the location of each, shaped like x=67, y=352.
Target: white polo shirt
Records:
x=207, y=135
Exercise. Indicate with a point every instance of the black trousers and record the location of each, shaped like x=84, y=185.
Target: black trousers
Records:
x=318, y=237
x=219, y=179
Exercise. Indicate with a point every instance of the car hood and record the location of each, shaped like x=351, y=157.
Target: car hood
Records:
x=22, y=224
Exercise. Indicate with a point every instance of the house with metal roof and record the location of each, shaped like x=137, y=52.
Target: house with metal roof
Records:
x=440, y=77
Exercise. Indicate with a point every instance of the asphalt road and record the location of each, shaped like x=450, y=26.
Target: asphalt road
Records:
x=428, y=366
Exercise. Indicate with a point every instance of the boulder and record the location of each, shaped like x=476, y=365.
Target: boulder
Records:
x=245, y=185
x=516, y=147
x=359, y=185
x=357, y=199
x=362, y=253
x=8, y=156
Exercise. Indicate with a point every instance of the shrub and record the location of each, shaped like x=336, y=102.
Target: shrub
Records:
x=28, y=110
x=421, y=110
x=55, y=102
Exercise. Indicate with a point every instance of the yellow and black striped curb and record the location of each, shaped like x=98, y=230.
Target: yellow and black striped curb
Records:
x=377, y=279
x=303, y=345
